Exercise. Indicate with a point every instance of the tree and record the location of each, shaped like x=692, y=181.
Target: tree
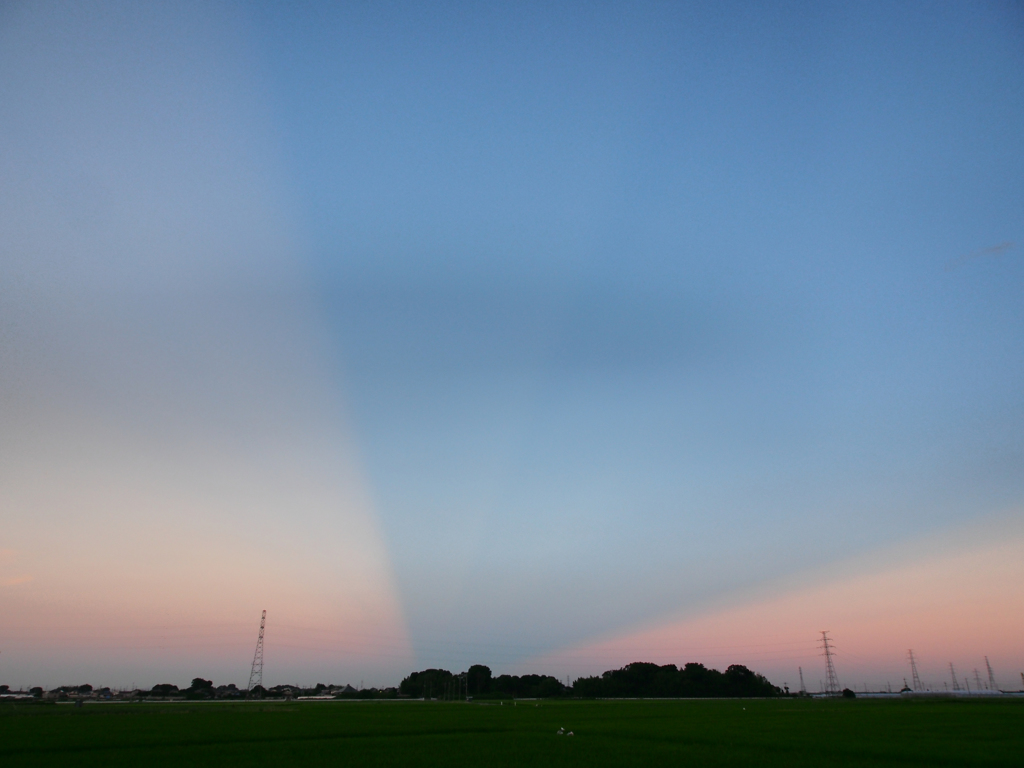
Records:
x=200, y=689
x=430, y=683
x=478, y=679
x=527, y=686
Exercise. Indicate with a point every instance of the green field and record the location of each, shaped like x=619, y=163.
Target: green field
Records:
x=714, y=732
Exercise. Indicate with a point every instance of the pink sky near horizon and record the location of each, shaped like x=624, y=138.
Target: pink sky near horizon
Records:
x=163, y=630
x=950, y=598
x=145, y=532
x=955, y=599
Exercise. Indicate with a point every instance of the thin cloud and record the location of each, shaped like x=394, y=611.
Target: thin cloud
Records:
x=993, y=250
x=15, y=581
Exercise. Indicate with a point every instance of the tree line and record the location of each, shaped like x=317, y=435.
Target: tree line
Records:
x=478, y=682
x=646, y=680
x=636, y=680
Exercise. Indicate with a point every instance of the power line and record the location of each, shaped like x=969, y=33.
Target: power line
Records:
x=256, y=674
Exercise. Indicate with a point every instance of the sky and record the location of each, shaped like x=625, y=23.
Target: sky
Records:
x=545, y=337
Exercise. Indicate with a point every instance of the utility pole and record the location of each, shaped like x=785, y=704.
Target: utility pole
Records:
x=913, y=671
x=832, y=684
x=256, y=673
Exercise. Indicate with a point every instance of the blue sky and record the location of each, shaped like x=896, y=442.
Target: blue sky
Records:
x=617, y=311
x=652, y=300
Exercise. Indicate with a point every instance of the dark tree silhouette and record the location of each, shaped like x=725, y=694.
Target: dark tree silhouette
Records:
x=642, y=679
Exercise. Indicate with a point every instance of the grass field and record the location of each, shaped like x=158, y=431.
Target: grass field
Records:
x=717, y=732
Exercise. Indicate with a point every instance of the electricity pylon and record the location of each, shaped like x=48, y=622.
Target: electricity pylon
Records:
x=256, y=674
x=913, y=671
x=831, y=678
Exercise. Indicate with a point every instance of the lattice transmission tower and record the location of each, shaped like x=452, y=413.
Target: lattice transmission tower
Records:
x=256, y=674
x=803, y=688
x=831, y=678
x=914, y=677
x=991, y=676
